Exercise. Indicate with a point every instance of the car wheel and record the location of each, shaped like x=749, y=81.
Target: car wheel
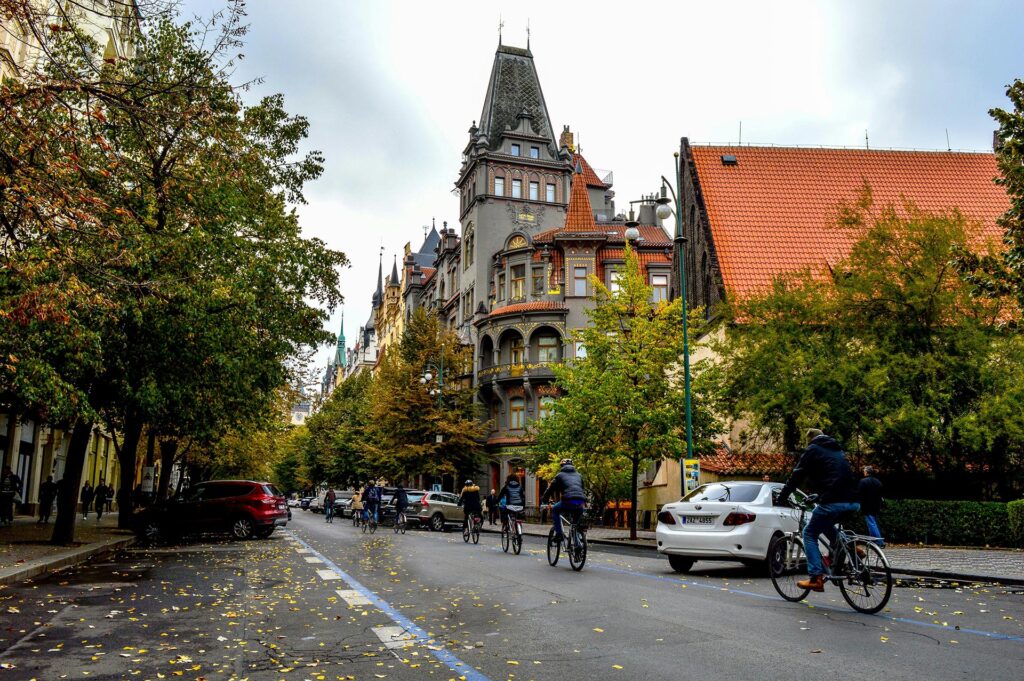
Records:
x=437, y=522
x=242, y=528
x=680, y=563
x=264, y=532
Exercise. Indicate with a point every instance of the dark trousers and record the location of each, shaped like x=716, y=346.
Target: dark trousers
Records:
x=85, y=509
x=45, y=509
x=99, y=510
x=492, y=514
x=6, y=507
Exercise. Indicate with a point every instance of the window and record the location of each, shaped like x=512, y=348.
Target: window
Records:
x=518, y=350
x=518, y=282
x=538, y=281
x=467, y=304
x=499, y=186
x=547, y=407
x=501, y=286
x=517, y=189
x=534, y=152
x=581, y=350
x=517, y=413
x=535, y=191
x=659, y=284
x=551, y=193
x=515, y=150
x=579, y=281
x=613, y=280
x=547, y=349
x=468, y=242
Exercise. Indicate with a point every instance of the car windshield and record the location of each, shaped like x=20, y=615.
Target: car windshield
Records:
x=725, y=491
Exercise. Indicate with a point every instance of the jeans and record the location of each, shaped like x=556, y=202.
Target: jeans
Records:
x=371, y=509
x=823, y=521
x=328, y=513
x=874, y=530
x=571, y=507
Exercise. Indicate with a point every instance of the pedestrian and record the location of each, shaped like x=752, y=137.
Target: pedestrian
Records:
x=10, y=490
x=766, y=478
x=101, y=499
x=329, y=500
x=357, y=507
x=86, y=498
x=47, y=493
x=492, y=507
x=869, y=489
x=110, y=498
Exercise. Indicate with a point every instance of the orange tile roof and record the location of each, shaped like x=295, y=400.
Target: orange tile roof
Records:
x=579, y=216
x=646, y=258
x=528, y=307
x=775, y=210
x=724, y=462
x=507, y=440
x=589, y=176
x=428, y=273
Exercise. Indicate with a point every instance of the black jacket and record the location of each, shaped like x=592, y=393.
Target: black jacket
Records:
x=469, y=500
x=569, y=483
x=401, y=498
x=513, y=494
x=827, y=472
x=869, y=490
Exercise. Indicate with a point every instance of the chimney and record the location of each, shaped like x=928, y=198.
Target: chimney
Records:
x=648, y=214
x=997, y=142
x=566, y=140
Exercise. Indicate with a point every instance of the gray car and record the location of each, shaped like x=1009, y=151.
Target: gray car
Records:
x=436, y=510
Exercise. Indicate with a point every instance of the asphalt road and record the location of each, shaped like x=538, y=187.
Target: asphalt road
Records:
x=319, y=602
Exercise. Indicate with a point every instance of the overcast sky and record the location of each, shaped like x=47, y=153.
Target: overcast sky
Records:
x=390, y=89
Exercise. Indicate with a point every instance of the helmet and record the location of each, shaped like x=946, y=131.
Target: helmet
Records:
x=469, y=482
x=565, y=462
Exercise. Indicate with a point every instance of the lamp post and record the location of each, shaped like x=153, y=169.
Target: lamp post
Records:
x=427, y=377
x=664, y=210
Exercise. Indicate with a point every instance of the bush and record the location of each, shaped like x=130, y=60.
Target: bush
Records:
x=953, y=523
x=1015, y=511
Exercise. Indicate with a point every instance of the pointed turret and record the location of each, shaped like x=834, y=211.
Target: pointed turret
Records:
x=580, y=215
x=393, y=280
x=513, y=89
x=339, y=353
x=378, y=296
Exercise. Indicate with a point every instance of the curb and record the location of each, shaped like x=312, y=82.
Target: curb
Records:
x=935, y=574
x=34, y=568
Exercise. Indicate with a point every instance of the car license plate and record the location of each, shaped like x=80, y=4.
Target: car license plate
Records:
x=698, y=520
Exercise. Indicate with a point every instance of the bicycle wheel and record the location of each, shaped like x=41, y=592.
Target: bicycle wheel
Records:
x=517, y=538
x=787, y=565
x=577, y=549
x=505, y=539
x=554, y=548
x=398, y=525
x=465, y=532
x=405, y=524
x=373, y=526
x=365, y=525
x=867, y=582
x=476, y=533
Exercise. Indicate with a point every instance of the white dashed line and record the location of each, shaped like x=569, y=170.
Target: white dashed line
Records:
x=354, y=598
x=394, y=637
x=313, y=559
x=328, y=575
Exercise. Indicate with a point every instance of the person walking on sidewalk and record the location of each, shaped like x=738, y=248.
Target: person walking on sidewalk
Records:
x=101, y=499
x=828, y=473
x=492, y=507
x=86, y=499
x=47, y=493
x=10, y=487
x=329, y=500
x=869, y=489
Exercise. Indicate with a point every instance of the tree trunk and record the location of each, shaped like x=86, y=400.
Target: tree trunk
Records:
x=67, y=500
x=633, y=498
x=127, y=456
x=168, y=451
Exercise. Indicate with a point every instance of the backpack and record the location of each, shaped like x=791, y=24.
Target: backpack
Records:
x=374, y=494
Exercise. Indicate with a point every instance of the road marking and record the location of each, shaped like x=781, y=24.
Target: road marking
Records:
x=301, y=550
x=442, y=655
x=313, y=559
x=394, y=637
x=353, y=597
x=328, y=575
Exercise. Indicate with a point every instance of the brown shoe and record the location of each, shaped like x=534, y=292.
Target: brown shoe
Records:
x=814, y=583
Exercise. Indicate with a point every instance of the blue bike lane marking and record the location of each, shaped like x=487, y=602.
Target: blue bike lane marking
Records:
x=442, y=655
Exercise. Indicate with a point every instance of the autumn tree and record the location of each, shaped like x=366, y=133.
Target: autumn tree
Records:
x=336, y=449
x=623, y=404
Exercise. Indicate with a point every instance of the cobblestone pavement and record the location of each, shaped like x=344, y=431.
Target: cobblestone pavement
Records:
x=27, y=540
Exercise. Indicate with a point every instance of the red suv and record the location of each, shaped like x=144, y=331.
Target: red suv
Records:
x=243, y=508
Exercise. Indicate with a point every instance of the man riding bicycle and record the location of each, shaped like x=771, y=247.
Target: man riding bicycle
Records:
x=371, y=500
x=329, y=500
x=828, y=473
x=469, y=500
x=569, y=483
x=511, y=499
x=401, y=502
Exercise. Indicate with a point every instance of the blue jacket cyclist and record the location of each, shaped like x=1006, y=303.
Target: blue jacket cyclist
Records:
x=568, y=483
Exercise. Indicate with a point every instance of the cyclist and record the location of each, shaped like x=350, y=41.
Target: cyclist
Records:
x=511, y=500
x=828, y=473
x=329, y=500
x=569, y=483
x=401, y=502
x=357, y=507
x=371, y=501
x=469, y=500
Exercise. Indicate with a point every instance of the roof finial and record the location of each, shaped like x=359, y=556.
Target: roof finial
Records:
x=501, y=25
x=527, y=33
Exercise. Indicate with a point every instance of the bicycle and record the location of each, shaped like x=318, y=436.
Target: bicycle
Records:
x=512, y=530
x=357, y=517
x=574, y=541
x=857, y=565
x=471, y=530
x=369, y=522
x=401, y=522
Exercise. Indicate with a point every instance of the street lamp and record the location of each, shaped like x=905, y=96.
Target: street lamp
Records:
x=664, y=210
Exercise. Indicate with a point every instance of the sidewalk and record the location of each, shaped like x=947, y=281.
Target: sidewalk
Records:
x=25, y=551
x=968, y=564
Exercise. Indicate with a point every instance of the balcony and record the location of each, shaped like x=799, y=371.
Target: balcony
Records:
x=516, y=373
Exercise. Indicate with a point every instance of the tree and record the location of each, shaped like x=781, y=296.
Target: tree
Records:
x=891, y=352
x=623, y=403
x=336, y=448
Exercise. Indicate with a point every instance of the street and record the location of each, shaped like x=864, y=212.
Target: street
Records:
x=326, y=602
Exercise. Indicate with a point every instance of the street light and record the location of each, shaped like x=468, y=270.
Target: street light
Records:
x=664, y=210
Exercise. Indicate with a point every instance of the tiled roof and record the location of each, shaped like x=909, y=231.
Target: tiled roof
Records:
x=505, y=440
x=775, y=210
x=725, y=462
x=646, y=258
x=589, y=176
x=528, y=307
x=428, y=273
x=579, y=216
x=652, y=235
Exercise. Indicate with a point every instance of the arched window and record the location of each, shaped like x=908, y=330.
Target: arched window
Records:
x=468, y=244
x=517, y=413
x=547, y=348
x=518, y=350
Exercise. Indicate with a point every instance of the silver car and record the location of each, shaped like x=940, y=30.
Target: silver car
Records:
x=436, y=510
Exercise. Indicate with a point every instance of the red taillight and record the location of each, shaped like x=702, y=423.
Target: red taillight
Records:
x=739, y=518
x=666, y=518
x=268, y=501
x=425, y=505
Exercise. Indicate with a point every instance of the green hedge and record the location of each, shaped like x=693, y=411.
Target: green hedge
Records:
x=953, y=523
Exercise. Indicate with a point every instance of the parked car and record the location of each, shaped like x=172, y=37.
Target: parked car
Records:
x=243, y=508
x=729, y=520
x=293, y=502
x=436, y=510
x=304, y=503
x=320, y=501
x=387, y=509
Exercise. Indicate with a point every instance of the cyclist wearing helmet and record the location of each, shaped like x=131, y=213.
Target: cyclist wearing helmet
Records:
x=569, y=483
x=469, y=500
x=511, y=498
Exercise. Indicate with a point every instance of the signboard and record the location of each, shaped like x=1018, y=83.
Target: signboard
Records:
x=148, y=479
x=436, y=487
x=691, y=474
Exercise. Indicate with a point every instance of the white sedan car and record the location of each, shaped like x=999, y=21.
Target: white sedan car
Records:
x=729, y=520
